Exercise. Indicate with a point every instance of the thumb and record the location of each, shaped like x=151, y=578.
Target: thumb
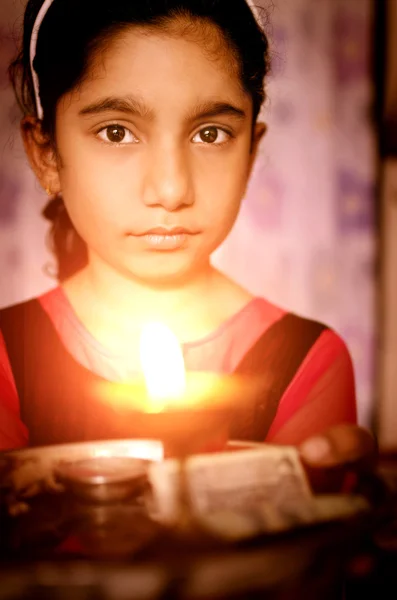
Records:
x=342, y=445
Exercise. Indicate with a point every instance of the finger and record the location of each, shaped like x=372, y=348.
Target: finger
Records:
x=343, y=445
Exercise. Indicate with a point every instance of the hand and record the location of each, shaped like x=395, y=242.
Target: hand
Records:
x=339, y=459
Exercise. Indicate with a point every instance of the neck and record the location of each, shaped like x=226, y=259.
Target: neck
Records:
x=130, y=302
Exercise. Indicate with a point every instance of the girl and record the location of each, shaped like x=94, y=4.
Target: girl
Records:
x=140, y=122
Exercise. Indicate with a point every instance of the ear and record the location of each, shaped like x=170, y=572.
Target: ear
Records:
x=41, y=154
x=257, y=135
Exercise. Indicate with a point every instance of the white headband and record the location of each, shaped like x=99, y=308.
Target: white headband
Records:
x=35, y=34
x=33, y=45
x=255, y=11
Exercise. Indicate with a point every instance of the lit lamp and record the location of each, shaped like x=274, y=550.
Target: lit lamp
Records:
x=188, y=411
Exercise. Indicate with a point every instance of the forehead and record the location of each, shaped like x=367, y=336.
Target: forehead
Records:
x=161, y=64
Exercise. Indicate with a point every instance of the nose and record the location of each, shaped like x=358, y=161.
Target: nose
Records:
x=168, y=179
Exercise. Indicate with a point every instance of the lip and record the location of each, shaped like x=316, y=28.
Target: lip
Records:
x=167, y=231
x=166, y=239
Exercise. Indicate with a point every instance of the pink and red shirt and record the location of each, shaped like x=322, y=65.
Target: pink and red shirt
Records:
x=321, y=394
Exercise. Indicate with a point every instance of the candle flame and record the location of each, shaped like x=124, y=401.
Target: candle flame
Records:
x=162, y=365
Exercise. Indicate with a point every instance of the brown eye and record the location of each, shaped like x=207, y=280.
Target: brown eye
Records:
x=209, y=135
x=212, y=135
x=115, y=134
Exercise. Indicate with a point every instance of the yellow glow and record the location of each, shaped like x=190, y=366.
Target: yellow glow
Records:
x=162, y=365
x=145, y=449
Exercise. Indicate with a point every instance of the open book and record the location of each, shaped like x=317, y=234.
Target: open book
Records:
x=239, y=494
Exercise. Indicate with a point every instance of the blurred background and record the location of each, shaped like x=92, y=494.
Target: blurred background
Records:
x=317, y=232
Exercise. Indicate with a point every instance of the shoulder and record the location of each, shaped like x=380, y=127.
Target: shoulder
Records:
x=329, y=347
x=18, y=323
x=291, y=321
x=15, y=322
x=13, y=326
x=320, y=395
x=317, y=343
x=293, y=327
x=13, y=433
x=25, y=306
x=326, y=366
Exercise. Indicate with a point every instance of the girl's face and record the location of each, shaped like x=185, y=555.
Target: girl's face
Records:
x=155, y=153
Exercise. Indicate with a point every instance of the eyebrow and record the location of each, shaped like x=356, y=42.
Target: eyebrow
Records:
x=216, y=109
x=135, y=106
x=127, y=104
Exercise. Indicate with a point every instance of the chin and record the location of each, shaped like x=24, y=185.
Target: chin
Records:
x=163, y=270
x=165, y=277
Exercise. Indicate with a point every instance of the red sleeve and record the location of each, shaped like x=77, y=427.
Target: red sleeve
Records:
x=13, y=433
x=322, y=393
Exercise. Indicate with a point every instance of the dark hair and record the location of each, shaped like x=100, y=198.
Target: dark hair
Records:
x=71, y=34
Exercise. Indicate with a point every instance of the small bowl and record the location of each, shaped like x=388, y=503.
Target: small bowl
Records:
x=103, y=480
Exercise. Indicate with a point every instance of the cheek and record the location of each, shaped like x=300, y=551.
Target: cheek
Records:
x=222, y=189
x=95, y=213
x=221, y=211
x=95, y=192
x=85, y=164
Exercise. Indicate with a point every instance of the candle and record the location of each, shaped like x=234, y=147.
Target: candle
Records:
x=187, y=411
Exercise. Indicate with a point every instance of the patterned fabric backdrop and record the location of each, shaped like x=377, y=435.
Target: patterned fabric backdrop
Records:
x=305, y=237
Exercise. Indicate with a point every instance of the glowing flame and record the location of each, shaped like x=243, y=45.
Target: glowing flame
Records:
x=162, y=365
